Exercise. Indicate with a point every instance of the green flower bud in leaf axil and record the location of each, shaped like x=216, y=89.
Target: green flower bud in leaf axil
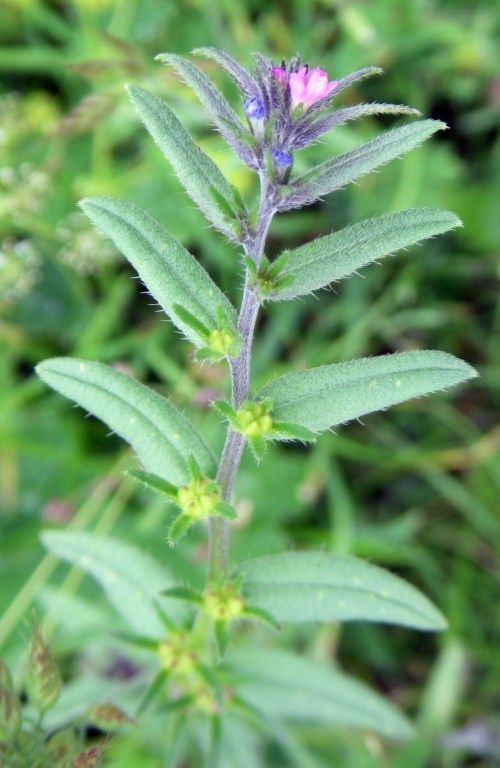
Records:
x=198, y=499
x=254, y=419
x=224, y=342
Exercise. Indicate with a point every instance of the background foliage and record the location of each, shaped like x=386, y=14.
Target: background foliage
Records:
x=416, y=490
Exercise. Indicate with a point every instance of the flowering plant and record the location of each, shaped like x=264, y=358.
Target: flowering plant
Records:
x=287, y=108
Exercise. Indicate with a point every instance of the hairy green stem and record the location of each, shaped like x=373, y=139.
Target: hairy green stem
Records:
x=240, y=382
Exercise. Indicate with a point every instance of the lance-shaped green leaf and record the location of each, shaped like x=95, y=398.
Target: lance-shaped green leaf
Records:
x=318, y=586
x=353, y=77
x=162, y=437
x=306, y=132
x=199, y=175
x=281, y=685
x=240, y=76
x=330, y=258
x=222, y=114
x=131, y=579
x=336, y=173
x=172, y=275
x=322, y=397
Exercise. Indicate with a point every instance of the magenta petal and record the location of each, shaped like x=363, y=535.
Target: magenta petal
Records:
x=330, y=87
x=313, y=74
x=297, y=86
x=316, y=86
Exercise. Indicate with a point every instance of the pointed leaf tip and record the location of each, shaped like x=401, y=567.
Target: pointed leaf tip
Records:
x=316, y=586
x=196, y=171
x=330, y=258
x=320, y=398
x=162, y=437
x=172, y=275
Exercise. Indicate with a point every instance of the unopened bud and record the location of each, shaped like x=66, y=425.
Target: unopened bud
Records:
x=256, y=114
x=224, y=604
x=279, y=73
x=254, y=420
x=283, y=162
x=43, y=681
x=176, y=656
x=224, y=342
x=198, y=499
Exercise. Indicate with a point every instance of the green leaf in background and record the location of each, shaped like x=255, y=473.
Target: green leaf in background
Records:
x=162, y=437
x=131, y=579
x=281, y=685
x=171, y=274
x=322, y=397
x=339, y=171
x=330, y=258
x=199, y=175
x=318, y=586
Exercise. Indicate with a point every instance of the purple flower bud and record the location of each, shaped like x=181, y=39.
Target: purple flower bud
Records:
x=279, y=74
x=282, y=159
x=254, y=109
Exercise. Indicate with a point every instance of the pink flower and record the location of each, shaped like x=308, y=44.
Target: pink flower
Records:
x=309, y=86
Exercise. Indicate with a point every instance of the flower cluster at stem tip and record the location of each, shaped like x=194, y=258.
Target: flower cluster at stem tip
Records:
x=309, y=86
x=278, y=114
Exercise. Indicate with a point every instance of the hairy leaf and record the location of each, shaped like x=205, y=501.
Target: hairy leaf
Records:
x=240, y=76
x=339, y=171
x=222, y=114
x=318, y=586
x=306, y=132
x=330, y=258
x=281, y=685
x=171, y=274
x=131, y=579
x=353, y=77
x=322, y=397
x=162, y=437
x=213, y=101
x=200, y=176
x=343, y=83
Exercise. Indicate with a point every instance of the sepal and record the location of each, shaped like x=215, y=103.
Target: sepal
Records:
x=255, y=421
x=269, y=280
x=154, y=483
x=180, y=526
x=184, y=593
x=224, y=341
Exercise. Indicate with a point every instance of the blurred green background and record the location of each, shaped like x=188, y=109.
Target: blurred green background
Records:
x=416, y=489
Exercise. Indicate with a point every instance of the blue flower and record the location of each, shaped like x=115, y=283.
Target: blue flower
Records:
x=254, y=109
x=282, y=159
